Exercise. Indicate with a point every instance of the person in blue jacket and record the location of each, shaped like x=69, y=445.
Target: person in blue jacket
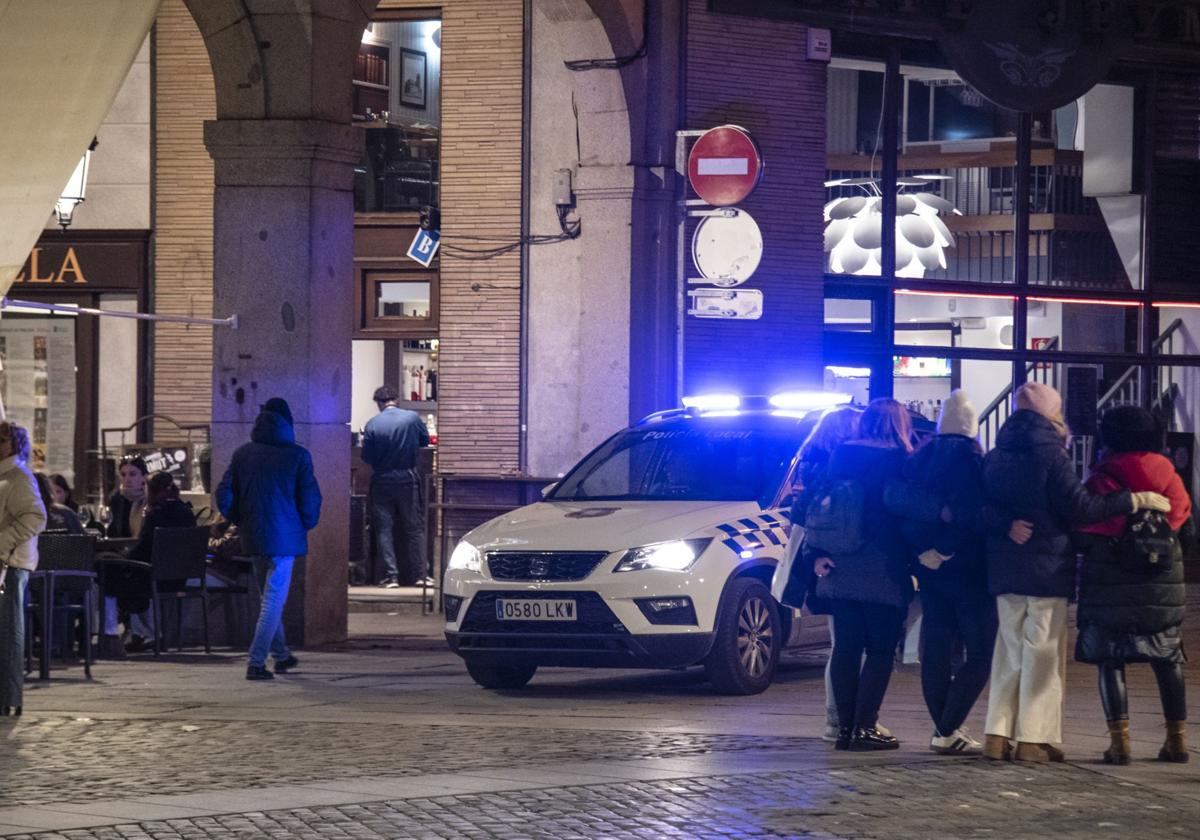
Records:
x=271, y=494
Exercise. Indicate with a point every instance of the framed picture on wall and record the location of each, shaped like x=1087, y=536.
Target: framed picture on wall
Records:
x=412, y=78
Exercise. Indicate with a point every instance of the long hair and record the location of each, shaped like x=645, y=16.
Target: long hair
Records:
x=886, y=421
x=43, y=485
x=19, y=436
x=836, y=426
x=60, y=481
x=160, y=488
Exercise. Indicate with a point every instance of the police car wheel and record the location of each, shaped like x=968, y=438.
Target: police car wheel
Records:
x=749, y=635
x=490, y=675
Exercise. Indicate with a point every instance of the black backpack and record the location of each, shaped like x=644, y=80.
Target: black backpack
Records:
x=833, y=522
x=1148, y=543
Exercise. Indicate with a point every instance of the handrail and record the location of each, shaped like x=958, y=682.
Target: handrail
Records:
x=1155, y=346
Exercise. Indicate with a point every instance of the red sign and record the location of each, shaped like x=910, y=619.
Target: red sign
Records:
x=724, y=166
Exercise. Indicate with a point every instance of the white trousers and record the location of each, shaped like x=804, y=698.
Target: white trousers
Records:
x=1025, y=702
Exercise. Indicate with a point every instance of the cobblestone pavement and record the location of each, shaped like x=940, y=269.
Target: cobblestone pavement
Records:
x=918, y=801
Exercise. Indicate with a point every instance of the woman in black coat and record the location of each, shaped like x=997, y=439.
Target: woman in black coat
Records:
x=1128, y=613
x=952, y=571
x=868, y=588
x=1029, y=477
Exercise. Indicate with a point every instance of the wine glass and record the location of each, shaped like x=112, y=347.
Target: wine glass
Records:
x=104, y=517
x=85, y=515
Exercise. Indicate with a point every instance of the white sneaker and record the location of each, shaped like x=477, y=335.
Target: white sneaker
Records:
x=957, y=743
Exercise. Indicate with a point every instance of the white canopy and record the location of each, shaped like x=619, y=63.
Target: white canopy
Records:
x=61, y=65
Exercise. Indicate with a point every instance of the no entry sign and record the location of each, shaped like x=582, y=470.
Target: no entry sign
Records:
x=724, y=166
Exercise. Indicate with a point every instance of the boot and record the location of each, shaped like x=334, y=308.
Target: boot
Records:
x=1028, y=751
x=1175, y=749
x=997, y=748
x=845, y=735
x=1118, y=753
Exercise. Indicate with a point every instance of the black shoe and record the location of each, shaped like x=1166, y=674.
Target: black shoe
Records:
x=286, y=665
x=867, y=739
x=111, y=647
x=844, y=737
x=258, y=672
x=10, y=711
x=137, y=644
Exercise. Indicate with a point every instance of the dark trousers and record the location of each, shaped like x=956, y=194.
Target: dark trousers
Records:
x=968, y=617
x=861, y=664
x=396, y=511
x=1171, y=689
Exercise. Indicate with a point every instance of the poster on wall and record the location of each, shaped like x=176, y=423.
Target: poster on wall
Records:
x=38, y=387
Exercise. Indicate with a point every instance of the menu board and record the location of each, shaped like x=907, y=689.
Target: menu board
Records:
x=37, y=384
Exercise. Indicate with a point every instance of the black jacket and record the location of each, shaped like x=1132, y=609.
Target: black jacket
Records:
x=121, y=508
x=171, y=514
x=881, y=572
x=270, y=492
x=948, y=469
x=1029, y=476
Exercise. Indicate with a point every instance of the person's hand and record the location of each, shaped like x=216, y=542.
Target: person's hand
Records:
x=1150, y=501
x=823, y=566
x=947, y=514
x=932, y=559
x=1020, y=531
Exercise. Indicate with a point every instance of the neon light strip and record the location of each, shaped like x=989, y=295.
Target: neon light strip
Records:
x=1162, y=304
x=1040, y=299
x=1093, y=301
x=978, y=295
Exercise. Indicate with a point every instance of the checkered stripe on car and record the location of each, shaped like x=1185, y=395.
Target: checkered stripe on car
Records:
x=753, y=532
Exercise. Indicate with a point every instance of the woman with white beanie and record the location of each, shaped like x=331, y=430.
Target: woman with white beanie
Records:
x=1029, y=477
x=955, y=603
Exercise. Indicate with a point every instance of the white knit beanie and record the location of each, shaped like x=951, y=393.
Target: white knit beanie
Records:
x=958, y=417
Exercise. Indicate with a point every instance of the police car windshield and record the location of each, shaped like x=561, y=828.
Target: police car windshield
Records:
x=683, y=464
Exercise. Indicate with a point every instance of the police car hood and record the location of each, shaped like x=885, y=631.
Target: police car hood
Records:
x=602, y=526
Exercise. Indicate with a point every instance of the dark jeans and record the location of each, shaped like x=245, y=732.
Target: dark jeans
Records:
x=861, y=664
x=970, y=618
x=396, y=509
x=1171, y=689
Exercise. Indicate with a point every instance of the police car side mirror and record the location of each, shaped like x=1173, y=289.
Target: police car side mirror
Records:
x=548, y=489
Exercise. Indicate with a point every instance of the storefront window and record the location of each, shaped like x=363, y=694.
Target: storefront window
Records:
x=396, y=102
x=1096, y=326
x=402, y=299
x=949, y=320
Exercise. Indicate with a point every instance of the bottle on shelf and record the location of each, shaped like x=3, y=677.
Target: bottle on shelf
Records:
x=431, y=384
x=431, y=425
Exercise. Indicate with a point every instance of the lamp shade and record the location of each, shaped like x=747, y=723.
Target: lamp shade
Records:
x=75, y=191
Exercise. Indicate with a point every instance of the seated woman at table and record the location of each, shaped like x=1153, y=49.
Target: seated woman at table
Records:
x=63, y=494
x=59, y=517
x=128, y=502
x=127, y=589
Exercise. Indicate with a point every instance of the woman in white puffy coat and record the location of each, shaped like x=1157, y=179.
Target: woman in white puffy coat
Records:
x=22, y=518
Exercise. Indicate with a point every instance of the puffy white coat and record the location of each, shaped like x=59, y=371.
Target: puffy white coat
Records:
x=22, y=515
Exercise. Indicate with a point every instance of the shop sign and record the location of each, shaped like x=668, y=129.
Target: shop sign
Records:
x=424, y=246
x=84, y=264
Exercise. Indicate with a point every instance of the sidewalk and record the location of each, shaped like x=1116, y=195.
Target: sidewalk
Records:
x=385, y=736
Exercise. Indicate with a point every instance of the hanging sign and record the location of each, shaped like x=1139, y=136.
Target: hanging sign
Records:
x=424, y=246
x=732, y=304
x=724, y=166
x=727, y=248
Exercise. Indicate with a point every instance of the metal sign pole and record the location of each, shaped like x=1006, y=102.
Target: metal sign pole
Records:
x=67, y=309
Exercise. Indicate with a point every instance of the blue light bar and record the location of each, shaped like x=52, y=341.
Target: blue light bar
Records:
x=808, y=400
x=713, y=402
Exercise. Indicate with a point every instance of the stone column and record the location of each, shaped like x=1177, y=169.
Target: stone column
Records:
x=283, y=263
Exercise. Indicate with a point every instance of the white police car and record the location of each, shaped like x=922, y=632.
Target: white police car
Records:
x=656, y=550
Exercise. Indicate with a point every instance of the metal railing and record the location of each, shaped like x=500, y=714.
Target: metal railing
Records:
x=1127, y=390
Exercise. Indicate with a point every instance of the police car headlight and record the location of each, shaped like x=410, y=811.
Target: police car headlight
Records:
x=675, y=556
x=466, y=557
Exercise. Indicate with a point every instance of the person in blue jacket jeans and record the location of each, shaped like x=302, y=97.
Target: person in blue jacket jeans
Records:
x=271, y=494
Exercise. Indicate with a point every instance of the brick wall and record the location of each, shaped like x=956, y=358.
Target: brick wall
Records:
x=183, y=217
x=754, y=73
x=479, y=352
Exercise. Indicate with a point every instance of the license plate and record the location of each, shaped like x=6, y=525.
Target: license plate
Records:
x=527, y=609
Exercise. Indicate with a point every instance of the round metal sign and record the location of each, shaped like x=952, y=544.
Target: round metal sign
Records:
x=1030, y=55
x=724, y=166
x=727, y=249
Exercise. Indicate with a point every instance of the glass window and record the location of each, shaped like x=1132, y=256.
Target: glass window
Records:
x=396, y=102
x=1108, y=326
x=402, y=299
x=849, y=315
x=1178, y=329
x=948, y=320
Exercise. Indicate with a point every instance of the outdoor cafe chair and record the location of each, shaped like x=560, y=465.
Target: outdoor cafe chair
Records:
x=66, y=564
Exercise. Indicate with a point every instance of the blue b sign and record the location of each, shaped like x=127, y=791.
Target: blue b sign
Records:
x=424, y=246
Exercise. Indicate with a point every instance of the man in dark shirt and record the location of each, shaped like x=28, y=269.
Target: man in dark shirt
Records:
x=390, y=443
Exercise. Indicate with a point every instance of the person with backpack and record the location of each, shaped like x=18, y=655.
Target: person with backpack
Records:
x=863, y=565
x=952, y=571
x=1131, y=599
x=1029, y=477
x=835, y=427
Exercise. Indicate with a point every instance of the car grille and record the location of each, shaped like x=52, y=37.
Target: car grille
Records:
x=543, y=565
x=594, y=615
